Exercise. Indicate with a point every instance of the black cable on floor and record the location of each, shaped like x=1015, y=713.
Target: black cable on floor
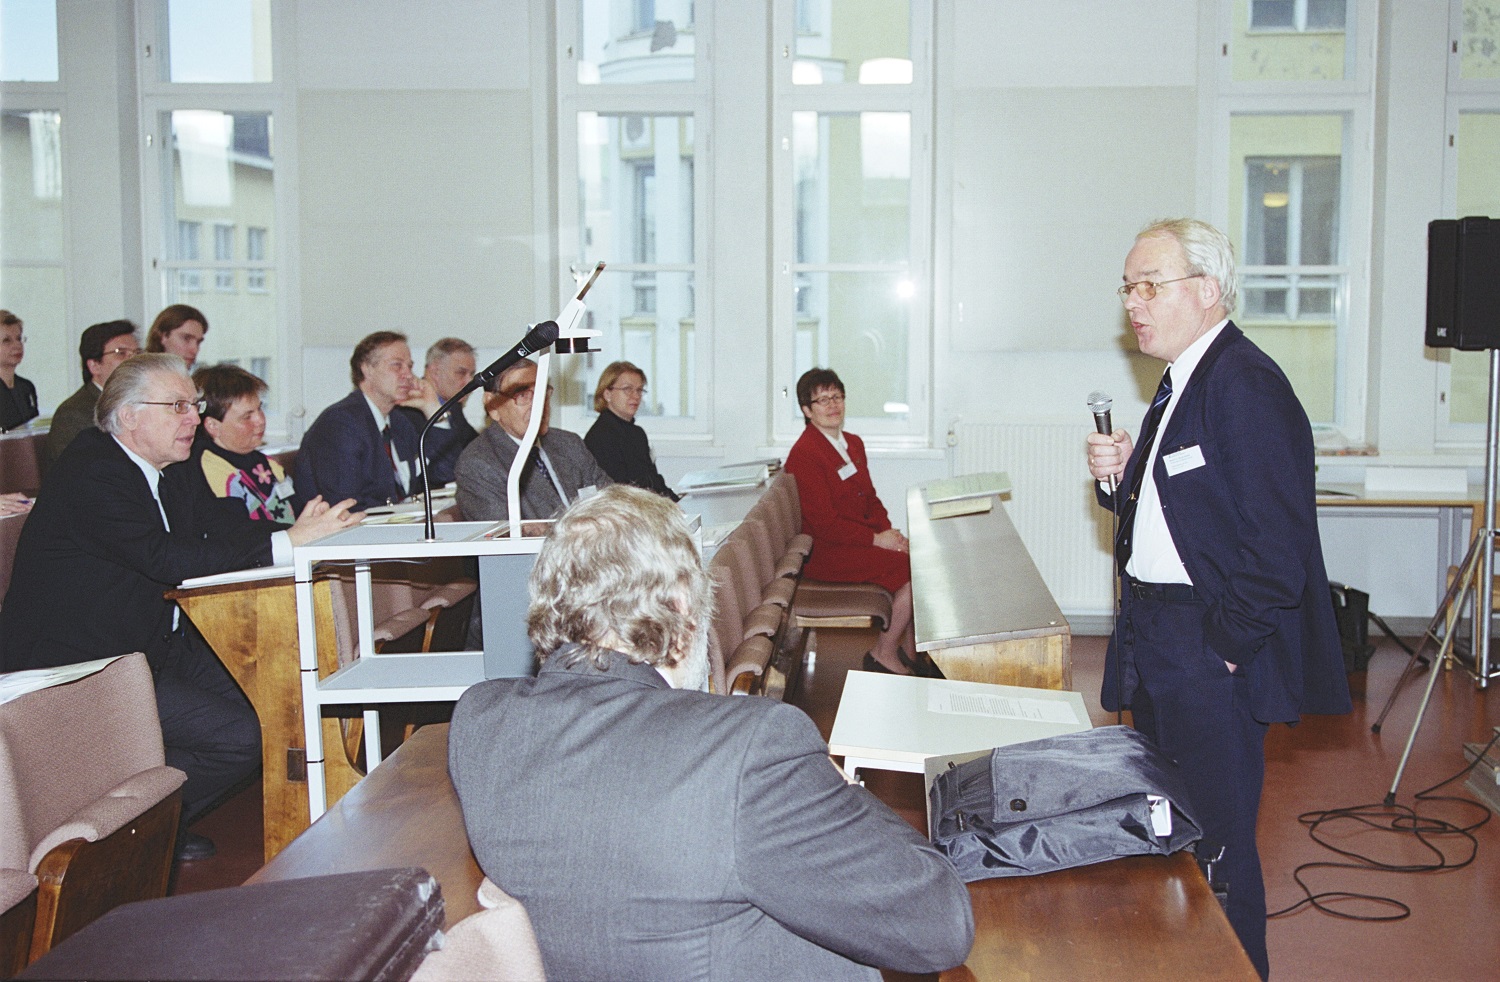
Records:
x=1386, y=818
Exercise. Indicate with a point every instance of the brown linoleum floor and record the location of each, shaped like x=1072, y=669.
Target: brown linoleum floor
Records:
x=1453, y=933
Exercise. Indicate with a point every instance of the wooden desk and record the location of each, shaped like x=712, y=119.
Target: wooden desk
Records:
x=1147, y=917
x=981, y=610
x=252, y=627
x=1139, y=913
x=405, y=813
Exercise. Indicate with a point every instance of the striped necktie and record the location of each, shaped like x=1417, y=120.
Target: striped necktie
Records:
x=1125, y=532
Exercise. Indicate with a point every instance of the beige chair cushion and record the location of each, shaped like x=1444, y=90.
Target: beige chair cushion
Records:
x=103, y=816
x=495, y=945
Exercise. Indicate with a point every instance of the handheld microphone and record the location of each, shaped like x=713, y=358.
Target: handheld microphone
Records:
x=1099, y=405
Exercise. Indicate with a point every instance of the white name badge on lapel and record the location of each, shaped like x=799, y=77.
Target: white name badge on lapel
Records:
x=1186, y=459
x=847, y=471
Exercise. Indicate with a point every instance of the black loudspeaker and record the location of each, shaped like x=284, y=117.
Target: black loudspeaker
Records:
x=1463, y=283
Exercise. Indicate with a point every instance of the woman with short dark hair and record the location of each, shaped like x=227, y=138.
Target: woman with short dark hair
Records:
x=227, y=451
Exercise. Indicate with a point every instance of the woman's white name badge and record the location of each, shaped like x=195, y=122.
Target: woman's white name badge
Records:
x=847, y=471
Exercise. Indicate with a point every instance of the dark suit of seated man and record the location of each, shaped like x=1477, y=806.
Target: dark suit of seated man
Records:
x=359, y=447
x=653, y=830
x=113, y=527
x=449, y=366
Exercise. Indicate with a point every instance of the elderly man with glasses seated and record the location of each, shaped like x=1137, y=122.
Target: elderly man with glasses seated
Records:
x=560, y=466
x=115, y=525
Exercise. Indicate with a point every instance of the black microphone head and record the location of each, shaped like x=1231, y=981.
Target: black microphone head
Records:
x=539, y=337
x=1099, y=403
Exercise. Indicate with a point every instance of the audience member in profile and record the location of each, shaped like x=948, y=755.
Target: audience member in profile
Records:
x=853, y=540
x=616, y=439
x=226, y=451
x=359, y=447
x=559, y=469
x=100, y=351
x=178, y=330
x=114, y=526
x=17, y=395
x=449, y=367
x=702, y=836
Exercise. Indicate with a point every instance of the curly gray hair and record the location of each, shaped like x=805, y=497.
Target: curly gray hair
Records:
x=619, y=571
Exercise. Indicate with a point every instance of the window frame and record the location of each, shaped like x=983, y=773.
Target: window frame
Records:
x=655, y=99
x=851, y=98
x=159, y=98
x=1353, y=99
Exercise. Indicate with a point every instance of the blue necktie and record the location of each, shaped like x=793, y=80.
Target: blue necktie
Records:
x=1125, y=533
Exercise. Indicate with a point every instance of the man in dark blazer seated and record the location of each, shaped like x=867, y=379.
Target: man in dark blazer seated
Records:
x=449, y=366
x=113, y=527
x=359, y=447
x=1226, y=623
x=100, y=351
x=653, y=830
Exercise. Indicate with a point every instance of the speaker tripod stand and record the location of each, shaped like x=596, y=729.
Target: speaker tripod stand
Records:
x=1476, y=578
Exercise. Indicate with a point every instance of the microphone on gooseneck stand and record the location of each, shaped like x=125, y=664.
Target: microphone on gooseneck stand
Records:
x=1100, y=405
x=535, y=340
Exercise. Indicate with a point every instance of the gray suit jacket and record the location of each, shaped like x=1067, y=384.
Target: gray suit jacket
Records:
x=658, y=833
x=484, y=467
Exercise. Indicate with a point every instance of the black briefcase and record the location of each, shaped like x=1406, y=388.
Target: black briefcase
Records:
x=377, y=924
x=1060, y=802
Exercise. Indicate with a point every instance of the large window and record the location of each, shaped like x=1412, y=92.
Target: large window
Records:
x=634, y=101
x=211, y=101
x=33, y=236
x=1292, y=107
x=850, y=220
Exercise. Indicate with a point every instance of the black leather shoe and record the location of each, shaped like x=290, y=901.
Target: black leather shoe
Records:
x=871, y=665
x=920, y=665
x=191, y=846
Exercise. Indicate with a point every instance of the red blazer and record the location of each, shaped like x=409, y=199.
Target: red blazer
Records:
x=843, y=516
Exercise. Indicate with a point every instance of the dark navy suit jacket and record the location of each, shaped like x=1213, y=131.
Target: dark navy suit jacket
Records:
x=343, y=455
x=1246, y=527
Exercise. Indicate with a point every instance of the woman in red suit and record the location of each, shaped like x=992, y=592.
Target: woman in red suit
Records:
x=853, y=541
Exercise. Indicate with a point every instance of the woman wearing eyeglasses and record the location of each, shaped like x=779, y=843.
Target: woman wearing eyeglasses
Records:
x=853, y=541
x=227, y=451
x=615, y=439
x=17, y=395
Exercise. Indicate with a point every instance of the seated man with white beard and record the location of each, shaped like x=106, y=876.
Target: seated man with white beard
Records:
x=653, y=830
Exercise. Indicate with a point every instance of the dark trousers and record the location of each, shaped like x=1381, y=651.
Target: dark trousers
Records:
x=210, y=730
x=1189, y=704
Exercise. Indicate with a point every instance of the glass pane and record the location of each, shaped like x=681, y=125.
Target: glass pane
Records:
x=28, y=41
x=1285, y=211
x=31, y=191
x=219, y=40
x=1291, y=41
x=648, y=319
x=863, y=41
x=35, y=294
x=858, y=324
x=1479, y=45
x=635, y=42
x=223, y=211
x=635, y=185
x=853, y=187
x=1478, y=194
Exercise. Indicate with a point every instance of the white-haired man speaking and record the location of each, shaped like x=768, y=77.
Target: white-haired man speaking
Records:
x=653, y=830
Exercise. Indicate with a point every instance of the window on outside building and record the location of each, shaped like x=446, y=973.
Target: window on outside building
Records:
x=255, y=252
x=1298, y=15
x=224, y=252
x=189, y=280
x=1292, y=40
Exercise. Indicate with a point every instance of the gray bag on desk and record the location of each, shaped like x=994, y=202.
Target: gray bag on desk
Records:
x=1056, y=803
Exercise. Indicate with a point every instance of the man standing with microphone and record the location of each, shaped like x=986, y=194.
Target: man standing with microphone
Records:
x=1226, y=622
